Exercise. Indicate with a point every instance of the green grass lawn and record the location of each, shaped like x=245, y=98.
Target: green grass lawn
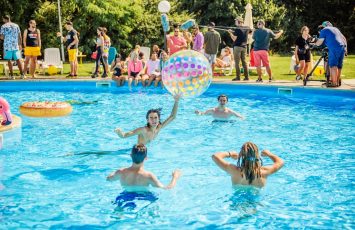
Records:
x=280, y=66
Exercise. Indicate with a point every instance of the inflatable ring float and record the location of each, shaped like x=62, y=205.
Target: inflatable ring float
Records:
x=46, y=109
x=16, y=122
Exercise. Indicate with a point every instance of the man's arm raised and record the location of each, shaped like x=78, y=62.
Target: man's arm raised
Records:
x=156, y=183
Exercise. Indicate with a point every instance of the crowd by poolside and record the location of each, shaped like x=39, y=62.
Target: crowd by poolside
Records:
x=137, y=69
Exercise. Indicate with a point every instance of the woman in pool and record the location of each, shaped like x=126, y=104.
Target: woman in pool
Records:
x=153, y=127
x=249, y=169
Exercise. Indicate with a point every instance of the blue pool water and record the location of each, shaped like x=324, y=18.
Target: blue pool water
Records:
x=53, y=170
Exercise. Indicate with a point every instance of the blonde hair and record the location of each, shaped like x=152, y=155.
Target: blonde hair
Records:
x=304, y=28
x=249, y=161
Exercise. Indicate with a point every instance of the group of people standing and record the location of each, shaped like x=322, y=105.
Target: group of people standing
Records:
x=209, y=43
x=14, y=42
x=31, y=43
x=336, y=43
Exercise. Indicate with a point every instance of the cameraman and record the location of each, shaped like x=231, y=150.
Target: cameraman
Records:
x=336, y=43
x=303, y=52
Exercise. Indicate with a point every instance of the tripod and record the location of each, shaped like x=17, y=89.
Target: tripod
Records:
x=324, y=57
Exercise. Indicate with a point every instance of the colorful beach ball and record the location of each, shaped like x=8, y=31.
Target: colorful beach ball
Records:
x=188, y=73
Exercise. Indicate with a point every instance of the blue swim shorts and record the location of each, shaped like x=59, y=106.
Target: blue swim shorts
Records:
x=336, y=57
x=12, y=55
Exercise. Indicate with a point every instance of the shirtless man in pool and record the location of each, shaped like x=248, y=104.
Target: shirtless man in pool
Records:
x=153, y=127
x=221, y=112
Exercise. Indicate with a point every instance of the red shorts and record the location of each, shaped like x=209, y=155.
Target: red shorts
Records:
x=261, y=56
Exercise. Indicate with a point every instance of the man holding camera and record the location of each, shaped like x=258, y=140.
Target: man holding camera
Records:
x=336, y=43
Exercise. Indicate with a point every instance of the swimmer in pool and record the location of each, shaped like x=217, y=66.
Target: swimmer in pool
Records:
x=153, y=127
x=221, y=112
x=249, y=169
x=135, y=175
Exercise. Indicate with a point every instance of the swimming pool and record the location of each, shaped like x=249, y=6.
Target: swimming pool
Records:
x=54, y=170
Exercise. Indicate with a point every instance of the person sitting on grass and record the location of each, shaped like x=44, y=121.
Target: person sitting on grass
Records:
x=249, y=169
x=153, y=127
x=152, y=70
x=221, y=112
x=116, y=67
x=135, y=175
x=226, y=59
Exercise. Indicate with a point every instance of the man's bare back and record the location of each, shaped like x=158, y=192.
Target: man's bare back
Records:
x=136, y=176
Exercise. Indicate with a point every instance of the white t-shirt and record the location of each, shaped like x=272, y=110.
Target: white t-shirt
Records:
x=227, y=59
x=153, y=67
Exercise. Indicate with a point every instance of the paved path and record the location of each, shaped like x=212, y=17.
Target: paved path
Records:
x=347, y=84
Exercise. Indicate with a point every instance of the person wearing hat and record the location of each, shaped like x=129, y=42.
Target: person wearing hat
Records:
x=337, y=46
x=211, y=43
x=262, y=38
x=240, y=39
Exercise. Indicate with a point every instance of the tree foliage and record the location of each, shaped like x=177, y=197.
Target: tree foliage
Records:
x=131, y=22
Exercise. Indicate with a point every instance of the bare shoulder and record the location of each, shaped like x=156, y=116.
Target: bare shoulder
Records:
x=122, y=171
x=143, y=129
x=235, y=170
x=148, y=174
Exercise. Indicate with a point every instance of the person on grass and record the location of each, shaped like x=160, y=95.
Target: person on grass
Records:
x=32, y=46
x=71, y=42
x=262, y=37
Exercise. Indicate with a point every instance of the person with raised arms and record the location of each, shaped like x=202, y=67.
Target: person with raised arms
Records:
x=221, y=112
x=136, y=176
x=153, y=127
x=249, y=169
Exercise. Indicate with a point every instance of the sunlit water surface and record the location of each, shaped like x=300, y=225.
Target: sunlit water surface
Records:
x=53, y=170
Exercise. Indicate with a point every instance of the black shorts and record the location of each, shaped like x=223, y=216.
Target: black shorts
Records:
x=304, y=56
x=134, y=74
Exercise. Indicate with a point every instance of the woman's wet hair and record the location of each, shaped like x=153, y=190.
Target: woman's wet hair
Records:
x=139, y=153
x=222, y=95
x=249, y=161
x=157, y=111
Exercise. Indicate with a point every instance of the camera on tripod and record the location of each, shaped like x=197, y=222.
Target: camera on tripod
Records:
x=324, y=57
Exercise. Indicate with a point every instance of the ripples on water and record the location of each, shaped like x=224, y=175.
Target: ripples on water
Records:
x=54, y=170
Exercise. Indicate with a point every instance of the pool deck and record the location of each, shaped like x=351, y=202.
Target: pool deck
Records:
x=347, y=84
